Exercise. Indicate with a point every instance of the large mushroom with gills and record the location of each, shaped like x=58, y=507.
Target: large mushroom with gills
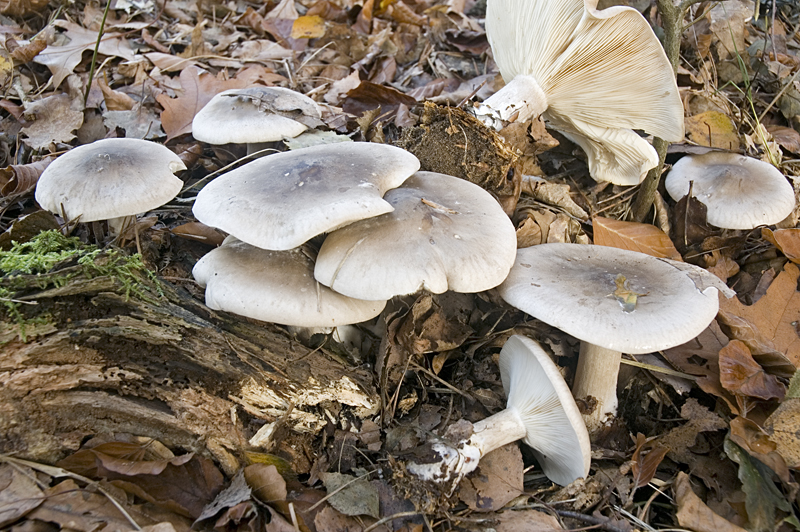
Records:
x=594, y=75
x=540, y=411
x=615, y=301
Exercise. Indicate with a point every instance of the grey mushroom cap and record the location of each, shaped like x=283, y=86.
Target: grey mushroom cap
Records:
x=613, y=298
x=255, y=114
x=740, y=192
x=283, y=200
x=275, y=286
x=110, y=178
x=444, y=233
x=555, y=429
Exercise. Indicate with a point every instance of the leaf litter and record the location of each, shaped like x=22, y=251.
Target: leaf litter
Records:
x=723, y=458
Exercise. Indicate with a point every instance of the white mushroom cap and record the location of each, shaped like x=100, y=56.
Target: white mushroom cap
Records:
x=581, y=290
x=555, y=428
x=110, y=178
x=445, y=233
x=583, y=60
x=740, y=192
x=275, y=286
x=255, y=114
x=283, y=200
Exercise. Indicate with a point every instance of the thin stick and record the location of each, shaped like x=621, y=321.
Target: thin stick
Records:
x=94, y=54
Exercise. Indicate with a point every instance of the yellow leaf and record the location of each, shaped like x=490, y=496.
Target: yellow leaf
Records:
x=786, y=240
x=713, y=129
x=644, y=238
x=308, y=27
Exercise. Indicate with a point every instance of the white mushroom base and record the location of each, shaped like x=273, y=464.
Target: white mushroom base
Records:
x=596, y=378
x=519, y=101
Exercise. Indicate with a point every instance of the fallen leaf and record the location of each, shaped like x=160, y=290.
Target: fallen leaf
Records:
x=786, y=137
x=783, y=427
x=198, y=87
x=712, y=129
x=25, y=228
x=742, y=375
x=786, y=240
x=646, y=458
x=368, y=96
x=236, y=493
x=169, y=62
x=21, y=178
x=52, y=119
x=22, y=8
x=693, y=512
x=356, y=496
x=644, y=238
x=496, y=482
x=18, y=493
x=115, y=100
x=199, y=232
x=308, y=27
x=63, y=58
x=776, y=314
x=138, y=123
x=266, y=482
x=689, y=223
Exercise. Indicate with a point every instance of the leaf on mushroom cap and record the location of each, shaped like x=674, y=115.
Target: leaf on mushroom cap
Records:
x=275, y=286
x=740, y=192
x=255, y=114
x=555, y=429
x=283, y=200
x=110, y=178
x=581, y=58
x=444, y=234
x=613, y=298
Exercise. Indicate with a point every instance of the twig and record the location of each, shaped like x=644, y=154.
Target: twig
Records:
x=94, y=54
x=604, y=523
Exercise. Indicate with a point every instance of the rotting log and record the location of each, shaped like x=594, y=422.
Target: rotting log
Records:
x=100, y=358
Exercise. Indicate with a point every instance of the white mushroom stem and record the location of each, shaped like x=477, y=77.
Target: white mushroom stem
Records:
x=117, y=225
x=596, y=377
x=520, y=100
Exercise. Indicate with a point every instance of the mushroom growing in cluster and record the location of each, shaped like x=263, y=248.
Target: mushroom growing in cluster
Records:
x=740, y=192
x=614, y=301
x=110, y=179
x=594, y=75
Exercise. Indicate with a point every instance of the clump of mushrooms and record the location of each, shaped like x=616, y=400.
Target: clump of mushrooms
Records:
x=594, y=75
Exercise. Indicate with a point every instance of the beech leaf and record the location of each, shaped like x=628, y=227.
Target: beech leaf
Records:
x=644, y=238
x=786, y=240
x=742, y=375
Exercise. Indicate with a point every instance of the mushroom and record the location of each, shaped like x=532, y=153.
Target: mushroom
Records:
x=110, y=179
x=275, y=286
x=444, y=233
x=540, y=411
x=614, y=301
x=281, y=201
x=594, y=75
x=740, y=192
x=255, y=115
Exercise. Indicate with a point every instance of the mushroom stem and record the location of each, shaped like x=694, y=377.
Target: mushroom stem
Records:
x=519, y=101
x=117, y=225
x=596, y=377
x=497, y=430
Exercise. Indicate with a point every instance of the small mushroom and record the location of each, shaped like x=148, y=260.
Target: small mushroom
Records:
x=275, y=286
x=254, y=116
x=540, y=411
x=110, y=179
x=614, y=301
x=444, y=233
x=594, y=75
x=740, y=192
x=281, y=201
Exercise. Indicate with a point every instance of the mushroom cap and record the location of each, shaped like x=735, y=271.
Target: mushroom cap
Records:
x=281, y=201
x=740, y=192
x=583, y=58
x=110, y=178
x=255, y=114
x=275, y=286
x=444, y=233
x=555, y=429
x=614, y=298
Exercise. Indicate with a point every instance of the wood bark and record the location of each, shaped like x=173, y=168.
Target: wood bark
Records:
x=156, y=363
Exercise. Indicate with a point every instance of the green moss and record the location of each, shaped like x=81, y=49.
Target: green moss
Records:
x=31, y=265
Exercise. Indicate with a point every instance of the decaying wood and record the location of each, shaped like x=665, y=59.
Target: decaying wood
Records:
x=157, y=365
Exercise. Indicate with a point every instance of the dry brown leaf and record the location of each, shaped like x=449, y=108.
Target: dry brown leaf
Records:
x=742, y=375
x=496, y=482
x=199, y=232
x=308, y=27
x=786, y=240
x=749, y=436
x=22, y=8
x=368, y=96
x=18, y=493
x=266, y=482
x=712, y=129
x=786, y=137
x=693, y=512
x=644, y=238
x=53, y=119
x=115, y=100
x=20, y=178
x=198, y=89
x=784, y=430
x=526, y=521
x=646, y=458
x=776, y=314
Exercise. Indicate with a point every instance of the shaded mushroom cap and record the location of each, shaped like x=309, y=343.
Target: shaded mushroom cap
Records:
x=613, y=298
x=281, y=201
x=275, y=286
x=255, y=114
x=444, y=233
x=581, y=59
x=740, y=192
x=554, y=426
x=110, y=178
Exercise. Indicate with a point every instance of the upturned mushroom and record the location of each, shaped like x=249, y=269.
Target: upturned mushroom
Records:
x=614, y=301
x=740, y=192
x=540, y=411
x=283, y=200
x=594, y=75
x=110, y=179
x=443, y=233
x=255, y=116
